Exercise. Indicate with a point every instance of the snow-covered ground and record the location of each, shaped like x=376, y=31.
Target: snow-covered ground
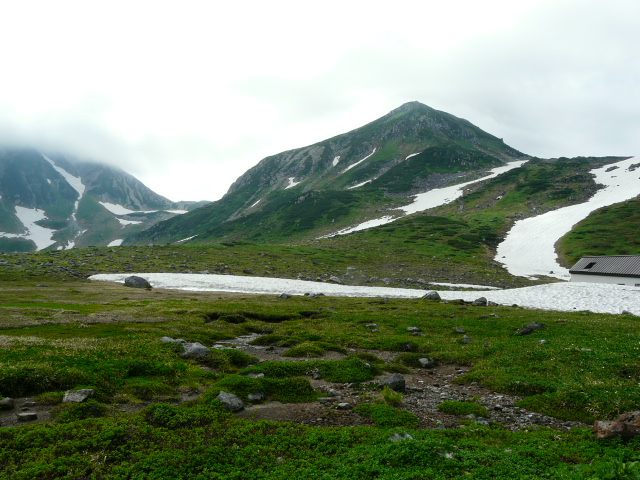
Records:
x=601, y=298
x=120, y=210
x=116, y=243
x=529, y=248
x=425, y=201
x=358, y=162
x=292, y=183
x=39, y=235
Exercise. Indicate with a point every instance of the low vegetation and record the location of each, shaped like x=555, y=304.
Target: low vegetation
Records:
x=58, y=334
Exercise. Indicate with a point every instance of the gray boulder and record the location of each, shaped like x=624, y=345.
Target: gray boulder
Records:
x=414, y=329
x=428, y=362
x=7, y=404
x=78, y=396
x=195, y=351
x=136, y=282
x=394, y=381
x=433, y=295
x=230, y=401
x=480, y=302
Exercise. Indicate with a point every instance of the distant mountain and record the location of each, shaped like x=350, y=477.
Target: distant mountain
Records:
x=52, y=201
x=326, y=186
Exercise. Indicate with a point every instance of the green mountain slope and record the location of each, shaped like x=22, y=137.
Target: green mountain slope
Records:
x=70, y=201
x=334, y=182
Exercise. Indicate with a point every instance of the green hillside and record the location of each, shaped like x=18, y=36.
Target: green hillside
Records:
x=610, y=230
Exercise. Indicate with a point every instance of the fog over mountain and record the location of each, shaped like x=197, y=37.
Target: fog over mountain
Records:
x=213, y=89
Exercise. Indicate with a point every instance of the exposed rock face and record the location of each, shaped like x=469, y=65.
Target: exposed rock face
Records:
x=626, y=426
x=136, y=282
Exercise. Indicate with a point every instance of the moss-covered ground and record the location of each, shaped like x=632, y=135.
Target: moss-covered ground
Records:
x=60, y=333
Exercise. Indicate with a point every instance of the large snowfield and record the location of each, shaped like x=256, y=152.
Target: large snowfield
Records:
x=562, y=296
x=529, y=248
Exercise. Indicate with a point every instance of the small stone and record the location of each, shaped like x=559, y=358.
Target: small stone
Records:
x=372, y=326
x=395, y=381
x=399, y=437
x=7, y=403
x=325, y=400
x=466, y=339
x=256, y=397
x=29, y=404
x=27, y=417
x=428, y=362
x=414, y=329
x=344, y=406
x=284, y=296
x=544, y=342
x=460, y=330
x=168, y=340
x=195, y=351
x=255, y=375
x=230, y=401
x=78, y=396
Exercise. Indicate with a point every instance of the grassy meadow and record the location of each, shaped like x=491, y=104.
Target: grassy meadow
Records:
x=59, y=332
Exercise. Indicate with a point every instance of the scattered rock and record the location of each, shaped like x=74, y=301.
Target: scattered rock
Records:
x=399, y=437
x=626, y=426
x=480, y=302
x=78, y=396
x=372, y=326
x=344, y=406
x=530, y=328
x=466, y=339
x=334, y=279
x=433, y=295
x=460, y=330
x=230, y=401
x=7, y=403
x=428, y=362
x=284, y=296
x=544, y=342
x=255, y=375
x=137, y=282
x=169, y=340
x=195, y=351
x=256, y=397
x=395, y=382
x=414, y=329
x=27, y=417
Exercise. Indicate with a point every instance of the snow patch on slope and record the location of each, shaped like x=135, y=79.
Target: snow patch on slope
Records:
x=359, y=161
x=73, y=181
x=115, y=243
x=431, y=199
x=336, y=160
x=41, y=236
x=292, y=183
x=120, y=210
x=529, y=247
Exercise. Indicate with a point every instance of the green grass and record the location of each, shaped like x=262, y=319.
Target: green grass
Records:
x=77, y=334
x=608, y=231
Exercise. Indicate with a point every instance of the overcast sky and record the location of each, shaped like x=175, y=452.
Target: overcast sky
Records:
x=188, y=95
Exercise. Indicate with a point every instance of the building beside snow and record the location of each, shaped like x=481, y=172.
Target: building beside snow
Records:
x=618, y=269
